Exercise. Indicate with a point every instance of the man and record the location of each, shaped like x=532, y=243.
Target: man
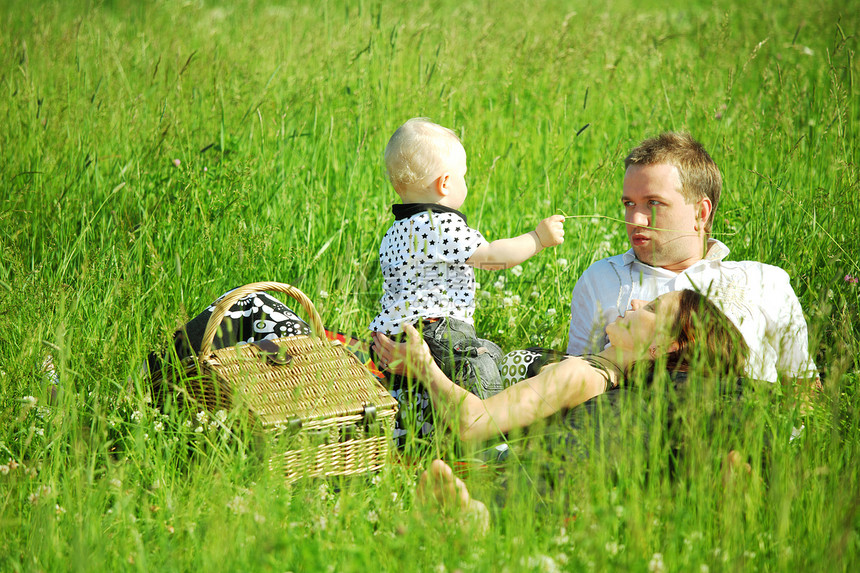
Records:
x=671, y=192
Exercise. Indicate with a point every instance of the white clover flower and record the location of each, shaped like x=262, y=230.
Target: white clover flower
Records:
x=372, y=516
x=561, y=262
x=136, y=416
x=221, y=416
x=59, y=510
x=33, y=498
x=323, y=294
x=551, y=312
x=543, y=563
x=323, y=491
x=158, y=425
x=704, y=568
x=202, y=416
x=498, y=285
x=4, y=469
x=603, y=249
x=517, y=270
x=516, y=299
x=507, y=301
x=656, y=564
x=238, y=505
x=29, y=400
x=198, y=430
x=115, y=483
x=611, y=547
x=40, y=431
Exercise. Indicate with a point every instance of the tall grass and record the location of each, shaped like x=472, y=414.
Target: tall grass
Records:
x=154, y=155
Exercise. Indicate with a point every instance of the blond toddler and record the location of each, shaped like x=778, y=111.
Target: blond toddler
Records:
x=429, y=253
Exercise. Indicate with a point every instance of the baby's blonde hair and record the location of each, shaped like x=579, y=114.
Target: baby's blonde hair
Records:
x=418, y=150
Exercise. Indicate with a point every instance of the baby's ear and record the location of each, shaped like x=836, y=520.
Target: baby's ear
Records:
x=441, y=184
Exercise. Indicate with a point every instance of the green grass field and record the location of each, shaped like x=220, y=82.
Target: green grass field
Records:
x=155, y=154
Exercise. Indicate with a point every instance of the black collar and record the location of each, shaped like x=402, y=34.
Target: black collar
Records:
x=406, y=210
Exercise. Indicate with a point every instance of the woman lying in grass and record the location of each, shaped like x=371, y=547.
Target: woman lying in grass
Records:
x=675, y=329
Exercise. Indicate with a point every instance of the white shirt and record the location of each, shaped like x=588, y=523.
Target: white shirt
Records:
x=756, y=297
x=423, y=259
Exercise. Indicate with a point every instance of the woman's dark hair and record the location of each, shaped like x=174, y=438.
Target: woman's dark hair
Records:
x=706, y=338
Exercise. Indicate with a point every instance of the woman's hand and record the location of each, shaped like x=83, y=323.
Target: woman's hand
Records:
x=402, y=357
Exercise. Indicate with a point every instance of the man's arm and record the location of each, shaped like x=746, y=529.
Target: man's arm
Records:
x=506, y=253
x=790, y=329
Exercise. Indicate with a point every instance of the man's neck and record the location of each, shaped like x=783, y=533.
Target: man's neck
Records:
x=681, y=266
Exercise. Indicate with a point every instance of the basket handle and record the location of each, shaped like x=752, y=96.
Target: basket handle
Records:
x=224, y=305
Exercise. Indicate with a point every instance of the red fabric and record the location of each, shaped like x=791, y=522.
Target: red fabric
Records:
x=361, y=350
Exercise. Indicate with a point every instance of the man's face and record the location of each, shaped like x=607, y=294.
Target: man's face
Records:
x=664, y=230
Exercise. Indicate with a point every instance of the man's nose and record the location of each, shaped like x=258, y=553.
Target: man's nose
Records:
x=640, y=218
x=636, y=304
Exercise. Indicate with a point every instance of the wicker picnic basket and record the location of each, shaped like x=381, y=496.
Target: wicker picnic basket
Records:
x=327, y=413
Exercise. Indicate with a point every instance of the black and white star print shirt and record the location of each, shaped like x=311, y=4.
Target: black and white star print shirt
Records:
x=423, y=258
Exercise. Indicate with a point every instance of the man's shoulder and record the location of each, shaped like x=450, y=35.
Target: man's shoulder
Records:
x=602, y=274
x=607, y=264
x=755, y=269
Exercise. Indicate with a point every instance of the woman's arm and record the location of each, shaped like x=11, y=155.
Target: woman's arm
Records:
x=557, y=387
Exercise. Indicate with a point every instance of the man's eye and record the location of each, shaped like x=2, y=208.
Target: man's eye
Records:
x=654, y=203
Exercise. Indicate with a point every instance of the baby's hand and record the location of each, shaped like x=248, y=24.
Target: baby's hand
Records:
x=550, y=231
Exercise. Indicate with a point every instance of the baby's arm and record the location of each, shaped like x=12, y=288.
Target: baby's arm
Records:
x=506, y=253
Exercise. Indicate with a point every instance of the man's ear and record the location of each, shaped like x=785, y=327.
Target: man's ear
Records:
x=703, y=212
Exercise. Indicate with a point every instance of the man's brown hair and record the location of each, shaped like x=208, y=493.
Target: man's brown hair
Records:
x=700, y=176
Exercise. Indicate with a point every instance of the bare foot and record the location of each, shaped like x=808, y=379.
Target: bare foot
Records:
x=439, y=486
